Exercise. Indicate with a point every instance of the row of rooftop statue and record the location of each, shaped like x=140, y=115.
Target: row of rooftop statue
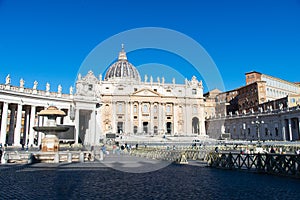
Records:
x=35, y=84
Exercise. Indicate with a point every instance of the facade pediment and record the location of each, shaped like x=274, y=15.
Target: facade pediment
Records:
x=90, y=78
x=146, y=92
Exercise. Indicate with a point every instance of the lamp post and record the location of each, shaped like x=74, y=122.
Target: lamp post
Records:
x=257, y=123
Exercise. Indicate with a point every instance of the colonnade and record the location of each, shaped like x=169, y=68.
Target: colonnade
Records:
x=17, y=122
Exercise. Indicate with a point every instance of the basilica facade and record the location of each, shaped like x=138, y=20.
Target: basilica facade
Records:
x=119, y=102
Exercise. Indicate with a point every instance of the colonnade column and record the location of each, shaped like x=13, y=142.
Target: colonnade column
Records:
x=26, y=126
x=40, y=123
x=18, y=126
x=290, y=130
x=11, y=124
x=32, y=124
x=283, y=130
x=4, y=123
x=298, y=127
x=77, y=126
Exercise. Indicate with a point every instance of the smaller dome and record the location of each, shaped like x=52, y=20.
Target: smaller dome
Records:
x=122, y=69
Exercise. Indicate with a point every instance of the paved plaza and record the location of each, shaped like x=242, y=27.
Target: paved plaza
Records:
x=102, y=180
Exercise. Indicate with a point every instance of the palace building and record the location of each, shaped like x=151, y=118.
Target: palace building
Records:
x=119, y=103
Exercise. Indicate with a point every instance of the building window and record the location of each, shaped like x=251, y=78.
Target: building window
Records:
x=135, y=89
x=90, y=87
x=107, y=88
x=120, y=108
x=120, y=88
x=155, y=108
x=168, y=109
x=145, y=109
x=194, y=91
x=249, y=131
x=135, y=108
x=155, y=90
x=168, y=90
x=276, y=131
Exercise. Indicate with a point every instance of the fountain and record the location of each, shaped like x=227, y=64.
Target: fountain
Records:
x=50, y=143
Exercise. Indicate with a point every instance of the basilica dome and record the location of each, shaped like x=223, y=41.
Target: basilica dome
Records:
x=122, y=69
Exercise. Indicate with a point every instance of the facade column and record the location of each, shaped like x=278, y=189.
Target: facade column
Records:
x=125, y=129
x=183, y=129
x=151, y=127
x=140, y=129
x=202, y=121
x=18, y=126
x=188, y=122
x=4, y=123
x=163, y=117
x=131, y=118
x=290, y=129
x=159, y=106
x=93, y=128
x=114, y=123
x=77, y=126
x=175, y=120
x=32, y=124
x=99, y=130
x=11, y=124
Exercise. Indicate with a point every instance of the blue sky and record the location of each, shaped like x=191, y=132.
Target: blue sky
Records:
x=48, y=40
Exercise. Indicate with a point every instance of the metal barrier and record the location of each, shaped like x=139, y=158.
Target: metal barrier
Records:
x=278, y=164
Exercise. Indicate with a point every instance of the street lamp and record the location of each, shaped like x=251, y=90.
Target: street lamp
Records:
x=257, y=124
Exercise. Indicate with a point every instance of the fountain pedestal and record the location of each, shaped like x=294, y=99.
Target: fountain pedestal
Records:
x=50, y=143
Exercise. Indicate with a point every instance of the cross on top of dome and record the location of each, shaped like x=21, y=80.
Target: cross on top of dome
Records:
x=122, y=54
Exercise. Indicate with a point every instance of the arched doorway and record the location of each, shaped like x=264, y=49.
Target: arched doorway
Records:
x=155, y=130
x=120, y=127
x=135, y=129
x=169, y=127
x=195, y=125
x=145, y=127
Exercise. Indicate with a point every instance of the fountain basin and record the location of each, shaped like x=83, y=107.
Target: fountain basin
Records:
x=51, y=129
